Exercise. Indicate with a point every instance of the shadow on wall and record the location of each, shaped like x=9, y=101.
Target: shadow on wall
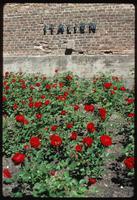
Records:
x=82, y=65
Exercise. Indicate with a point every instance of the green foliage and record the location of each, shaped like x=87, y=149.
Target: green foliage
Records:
x=71, y=167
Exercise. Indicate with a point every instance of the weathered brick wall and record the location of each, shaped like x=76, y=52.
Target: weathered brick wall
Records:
x=23, y=28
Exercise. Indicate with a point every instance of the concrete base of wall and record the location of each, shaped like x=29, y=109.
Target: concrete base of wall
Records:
x=83, y=66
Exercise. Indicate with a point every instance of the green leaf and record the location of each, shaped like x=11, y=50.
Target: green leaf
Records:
x=8, y=181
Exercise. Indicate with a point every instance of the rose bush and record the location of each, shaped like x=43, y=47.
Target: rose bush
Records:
x=57, y=130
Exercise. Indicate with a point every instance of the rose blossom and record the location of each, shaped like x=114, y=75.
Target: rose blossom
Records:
x=76, y=107
x=78, y=148
x=48, y=86
x=102, y=112
x=63, y=112
x=130, y=100
x=105, y=140
x=35, y=142
x=92, y=180
x=69, y=78
x=70, y=125
x=20, y=118
x=37, y=104
x=31, y=104
x=38, y=116
x=55, y=140
x=129, y=162
x=18, y=158
x=6, y=173
x=61, y=84
x=107, y=85
x=4, y=99
x=54, y=128
x=38, y=84
x=15, y=106
x=88, y=141
x=91, y=127
x=43, y=96
x=123, y=88
x=73, y=135
x=26, y=146
x=47, y=102
x=89, y=108
x=131, y=115
x=114, y=88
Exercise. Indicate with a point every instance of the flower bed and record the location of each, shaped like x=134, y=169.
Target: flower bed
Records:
x=56, y=130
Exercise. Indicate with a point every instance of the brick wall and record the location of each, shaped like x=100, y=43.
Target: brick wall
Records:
x=23, y=28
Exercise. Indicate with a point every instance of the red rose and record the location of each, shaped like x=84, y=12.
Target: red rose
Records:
x=38, y=84
x=25, y=121
x=15, y=106
x=26, y=147
x=66, y=94
x=61, y=84
x=54, y=128
x=89, y=108
x=38, y=104
x=63, y=112
x=88, y=141
x=6, y=173
x=69, y=78
x=130, y=100
x=23, y=102
x=112, y=92
x=61, y=98
x=31, y=104
x=47, y=102
x=4, y=98
x=76, y=107
x=131, y=115
x=18, y=158
x=5, y=83
x=106, y=140
x=43, y=97
x=107, y=85
x=38, y=116
x=73, y=135
x=52, y=172
x=7, y=87
x=78, y=148
x=55, y=140
x=129, y=162
x=22, y=81
x=48, y=86
x=102, y=112
x=13, y=80
x=114, y=88
x=69, y=125
x=92, y=180
x=54, y=85
x=30, y=98
x=23, y=86
x=20, y=118
x=91, y=127
x=35, y=142
x=32, y=87
x=123, y=88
